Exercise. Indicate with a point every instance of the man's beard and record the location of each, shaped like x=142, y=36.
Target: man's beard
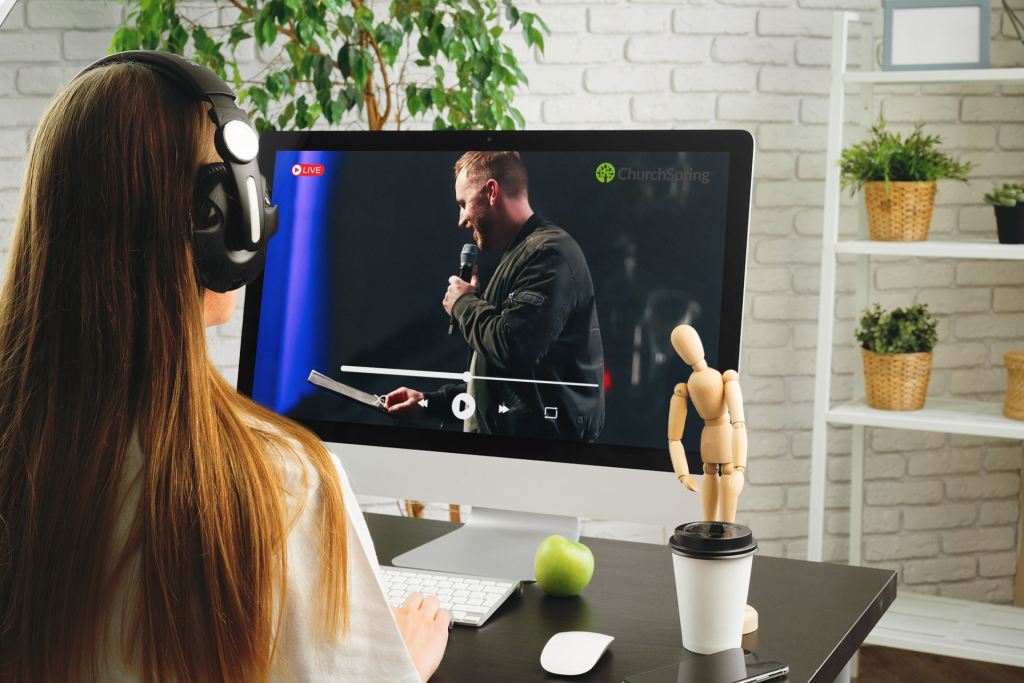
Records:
x=484, y=231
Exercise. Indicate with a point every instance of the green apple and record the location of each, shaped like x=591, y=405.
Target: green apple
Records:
x=563, y=568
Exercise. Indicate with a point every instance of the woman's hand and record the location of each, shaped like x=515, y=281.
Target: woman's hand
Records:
x=424, y=628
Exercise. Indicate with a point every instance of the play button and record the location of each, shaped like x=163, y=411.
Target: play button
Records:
x=463, y=406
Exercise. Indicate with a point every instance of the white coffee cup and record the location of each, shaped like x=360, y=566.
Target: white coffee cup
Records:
x=712, y=563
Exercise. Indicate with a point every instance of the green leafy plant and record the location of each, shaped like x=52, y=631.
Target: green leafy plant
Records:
x=420, y=58
x=887, y=156
x=1009, y=195
x=902, y=331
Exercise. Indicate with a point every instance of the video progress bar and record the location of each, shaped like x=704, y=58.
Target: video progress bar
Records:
x=462, y=376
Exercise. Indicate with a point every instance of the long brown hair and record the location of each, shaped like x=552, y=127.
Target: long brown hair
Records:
x=102, y=337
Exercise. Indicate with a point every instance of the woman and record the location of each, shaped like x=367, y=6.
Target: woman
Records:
x=154, y=524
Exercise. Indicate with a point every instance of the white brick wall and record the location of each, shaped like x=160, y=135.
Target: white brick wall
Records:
x=942, y=509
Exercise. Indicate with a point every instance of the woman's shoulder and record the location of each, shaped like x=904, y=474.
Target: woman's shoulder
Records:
x=291, y=459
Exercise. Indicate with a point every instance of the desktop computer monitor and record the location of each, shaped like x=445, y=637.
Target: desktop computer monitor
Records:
x=548, y=399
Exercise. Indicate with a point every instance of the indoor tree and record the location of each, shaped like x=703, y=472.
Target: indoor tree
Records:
x=432, y=58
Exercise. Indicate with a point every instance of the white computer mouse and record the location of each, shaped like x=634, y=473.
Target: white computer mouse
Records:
x=572, y=653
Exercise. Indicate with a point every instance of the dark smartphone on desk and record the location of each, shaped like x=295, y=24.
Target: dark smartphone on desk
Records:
x=727, y=666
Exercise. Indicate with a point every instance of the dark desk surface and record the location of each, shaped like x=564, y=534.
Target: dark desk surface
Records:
x=812, y=616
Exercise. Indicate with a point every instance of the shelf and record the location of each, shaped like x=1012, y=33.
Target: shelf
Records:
x=980, y=249
x=954, y=628
x=952, y=416
x=956, y=76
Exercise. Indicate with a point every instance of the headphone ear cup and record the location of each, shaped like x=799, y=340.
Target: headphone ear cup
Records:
x=212, y=214
x=211, y=207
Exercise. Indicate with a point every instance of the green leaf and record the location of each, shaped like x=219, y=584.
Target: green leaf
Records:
x=347, y=25
x=259, y=98
x=238, y=34
x=269, y=31
x=512, y=14
x=518, y=117
x=437, y=97
x=364, y=18
x=535, y=38
x=304, y=30
x=361, y=67
x=286, y=115
x=439, y=123
x=344, y=65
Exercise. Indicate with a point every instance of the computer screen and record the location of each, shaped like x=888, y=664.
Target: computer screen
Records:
x=564, y=355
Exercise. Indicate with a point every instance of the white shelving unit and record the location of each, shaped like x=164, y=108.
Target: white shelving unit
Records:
x=914, y=622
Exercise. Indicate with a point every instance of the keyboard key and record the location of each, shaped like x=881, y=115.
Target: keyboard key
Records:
x=486, y=583
x=471, y=581
x=459, y=614
x=391, y=572
x=494, y=589
x=459, y=585
x=503, y=585
x=477, y=594
x=444, y=584
x=461, y=594
x=408, y=573
x=425, y=576
x=472, y=609
x=446, y=605
x=430, y=582
x=471, y=619
x=475, y=601
x=444, y=591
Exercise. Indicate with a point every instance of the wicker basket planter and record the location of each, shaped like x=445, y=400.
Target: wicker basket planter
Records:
x=1013, y=408
x=898, y=381
x=903, y=214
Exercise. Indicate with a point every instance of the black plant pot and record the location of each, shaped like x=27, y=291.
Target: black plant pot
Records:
x=1010, y=224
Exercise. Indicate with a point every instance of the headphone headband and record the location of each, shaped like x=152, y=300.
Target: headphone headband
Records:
x=232, y=252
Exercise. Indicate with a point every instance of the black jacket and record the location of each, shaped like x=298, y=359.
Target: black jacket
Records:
x=536, y=320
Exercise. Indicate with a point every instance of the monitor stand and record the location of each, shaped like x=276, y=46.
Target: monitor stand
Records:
x=497, y=543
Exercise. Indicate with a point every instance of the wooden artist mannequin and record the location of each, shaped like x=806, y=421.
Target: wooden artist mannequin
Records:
x=723, y=443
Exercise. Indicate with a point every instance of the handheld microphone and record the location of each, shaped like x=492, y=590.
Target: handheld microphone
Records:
x=466, y=262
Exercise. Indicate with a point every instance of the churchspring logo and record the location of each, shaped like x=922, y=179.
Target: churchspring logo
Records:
x=606, y=173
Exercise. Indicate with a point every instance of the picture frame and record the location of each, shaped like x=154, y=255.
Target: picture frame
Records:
x=925, y=35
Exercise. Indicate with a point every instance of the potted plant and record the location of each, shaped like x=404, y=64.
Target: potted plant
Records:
x=897, y=352
x=1009, y=206
x=898, y=177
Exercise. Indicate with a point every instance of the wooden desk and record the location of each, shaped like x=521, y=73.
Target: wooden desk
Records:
x=812, y=616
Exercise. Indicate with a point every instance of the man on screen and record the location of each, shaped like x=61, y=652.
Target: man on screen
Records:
x=536, y=321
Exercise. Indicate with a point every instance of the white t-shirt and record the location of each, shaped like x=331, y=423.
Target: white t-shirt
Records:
x=373, y=651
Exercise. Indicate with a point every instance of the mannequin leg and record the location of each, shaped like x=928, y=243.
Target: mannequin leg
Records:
x=727, y=500
x=709, y=492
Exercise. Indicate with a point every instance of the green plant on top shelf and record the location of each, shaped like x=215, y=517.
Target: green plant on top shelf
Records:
x=1009, y=195
x=888, y=157
x=902, y=331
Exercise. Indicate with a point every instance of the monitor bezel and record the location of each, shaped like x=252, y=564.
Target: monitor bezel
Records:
x=738, y=143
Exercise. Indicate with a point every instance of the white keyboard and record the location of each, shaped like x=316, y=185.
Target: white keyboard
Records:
x=469, y=599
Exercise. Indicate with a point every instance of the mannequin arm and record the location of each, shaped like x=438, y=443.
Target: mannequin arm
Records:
x=734, y=402
x=676, y=423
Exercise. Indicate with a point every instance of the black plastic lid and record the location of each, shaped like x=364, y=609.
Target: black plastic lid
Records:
x=713, y=541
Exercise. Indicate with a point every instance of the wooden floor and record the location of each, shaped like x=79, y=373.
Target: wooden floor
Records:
x=888, y=665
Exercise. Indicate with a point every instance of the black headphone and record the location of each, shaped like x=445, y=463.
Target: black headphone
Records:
x=232, y=215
